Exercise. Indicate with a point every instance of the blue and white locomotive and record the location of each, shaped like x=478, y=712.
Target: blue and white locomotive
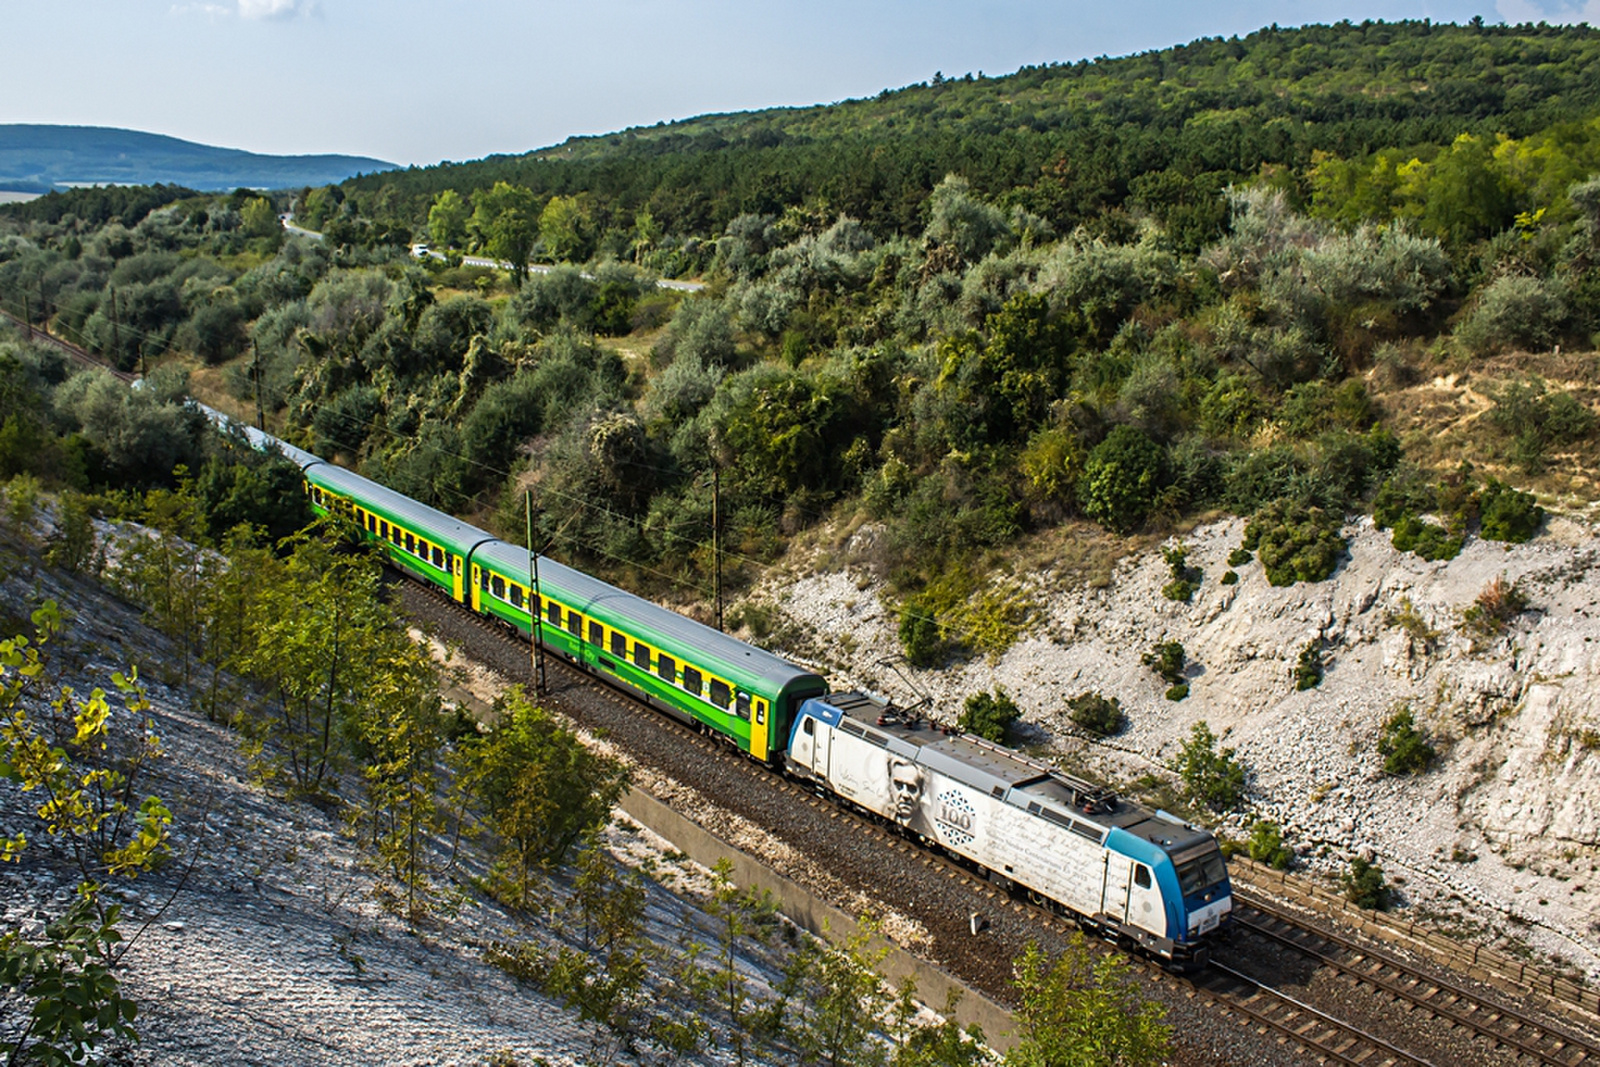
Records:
x=1143, y=878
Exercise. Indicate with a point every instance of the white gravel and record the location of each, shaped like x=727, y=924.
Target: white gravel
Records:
x=1503, y=833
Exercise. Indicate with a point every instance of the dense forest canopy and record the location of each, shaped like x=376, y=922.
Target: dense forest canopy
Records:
x=1236, y=276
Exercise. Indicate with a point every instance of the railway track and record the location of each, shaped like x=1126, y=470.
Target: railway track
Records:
x=41, y=336
x=1420, y=1017
x=1497, y=1022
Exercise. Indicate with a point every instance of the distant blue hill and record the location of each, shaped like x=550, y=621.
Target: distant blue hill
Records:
x=38, y=159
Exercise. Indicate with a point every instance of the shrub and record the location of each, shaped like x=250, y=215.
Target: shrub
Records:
x=1239, y=557
x=989, y=716
x=1535, y=419
x=1178, y=692
x=1403, y=747
x=1308, y=669
x=1496, y=605
x=920, y=635
x=1122, y=478
x=1296, y=543
x=1513, y=311
x=1230, y=578
x=1184, y=577
x=1429, y=540
x=1364, y=885
x=1508, y=514
x=1166, y=658
x=1266, y=846
x=1096, y=714
x=1215, y=779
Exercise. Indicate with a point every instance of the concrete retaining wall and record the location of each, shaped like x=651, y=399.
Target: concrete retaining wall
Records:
x=820, y=918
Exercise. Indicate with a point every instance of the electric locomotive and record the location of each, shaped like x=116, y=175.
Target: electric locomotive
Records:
x=1143, y=878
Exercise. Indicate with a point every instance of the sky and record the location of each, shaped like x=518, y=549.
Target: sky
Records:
x=421, y=81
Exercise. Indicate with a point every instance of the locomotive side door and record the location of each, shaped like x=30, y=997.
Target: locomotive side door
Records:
x=822, y=744
x=1114, y=892
x=1144, y=902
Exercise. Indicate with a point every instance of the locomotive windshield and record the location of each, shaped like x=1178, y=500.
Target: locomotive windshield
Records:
x=1200, y=871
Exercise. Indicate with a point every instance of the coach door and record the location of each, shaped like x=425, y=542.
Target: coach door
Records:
x=455, y=577
x=1114, y=898
x=477, y=584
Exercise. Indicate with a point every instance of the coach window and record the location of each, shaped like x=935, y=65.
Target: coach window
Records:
x=316, y=495
x=721, y=694
x=641, y=655
x=497, y=585
x=438, y=557
x=597, y=634
x=667, y=667
x=1141, y=876
x=619, y=645
x=742, y=706
x=554, y=612
x=691, y=680
x=575, y=624
x=516, y=596
x=411, y=544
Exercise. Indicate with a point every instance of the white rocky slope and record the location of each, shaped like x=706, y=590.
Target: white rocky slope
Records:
x=1503, y=832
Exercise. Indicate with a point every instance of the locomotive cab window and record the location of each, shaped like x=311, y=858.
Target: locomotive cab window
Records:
x=691, y=680
x=1141, y=876
x=619, y=645
x=667, y=667
x=641, y=655
x=721, y=694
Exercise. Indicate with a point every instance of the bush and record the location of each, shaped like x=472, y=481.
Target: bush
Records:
x=1513, y=311
x=1178, y=692
x=1403, y=747
x=1296, y=543
x=1429, y=540
x=1122, y=478
x=1508, y=514
x=1239, y=557
x=1166, y=658
x=1266, y=846
x=1184, y=577
x=1096, y=714
x=1364, y=885
x=920, y=635
x=1209, y=777
x=1536, y=419
x=1496, y=605
x=989, y=716
x=1308, y=670
x=1230, y=578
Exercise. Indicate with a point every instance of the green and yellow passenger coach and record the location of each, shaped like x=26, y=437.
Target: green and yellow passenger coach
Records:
x=702, y=676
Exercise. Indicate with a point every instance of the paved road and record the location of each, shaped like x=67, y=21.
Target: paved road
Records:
x=421, y=250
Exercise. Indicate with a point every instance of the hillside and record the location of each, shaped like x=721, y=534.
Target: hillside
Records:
x=1163, y=131
x=38, y=158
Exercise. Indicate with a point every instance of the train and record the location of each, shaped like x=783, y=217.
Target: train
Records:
x=1140, y=877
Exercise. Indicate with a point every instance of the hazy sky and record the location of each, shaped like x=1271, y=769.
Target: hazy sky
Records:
x=418, y=81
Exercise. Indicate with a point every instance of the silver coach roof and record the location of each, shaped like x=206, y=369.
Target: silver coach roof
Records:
x=734, y=657
x=432, y=523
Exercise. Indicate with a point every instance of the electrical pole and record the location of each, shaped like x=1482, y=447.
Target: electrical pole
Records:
x=536, y=632
x=716, y=536
x=255, y=372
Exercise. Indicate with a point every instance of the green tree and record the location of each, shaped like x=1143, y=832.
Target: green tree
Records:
x=1215, y=779
x=1404, y=748
x=540, y=789
x=87, y=776
x=1095, y=713
x=1084, y=1008
x=989, y=715
x=447, y=219
x=258, y=219
x=565, y=228
x=1364, y=885
x=503, y=225
x=842, y=997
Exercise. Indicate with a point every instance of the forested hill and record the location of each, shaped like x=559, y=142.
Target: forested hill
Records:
x=35, y=158
x=1163, y=131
